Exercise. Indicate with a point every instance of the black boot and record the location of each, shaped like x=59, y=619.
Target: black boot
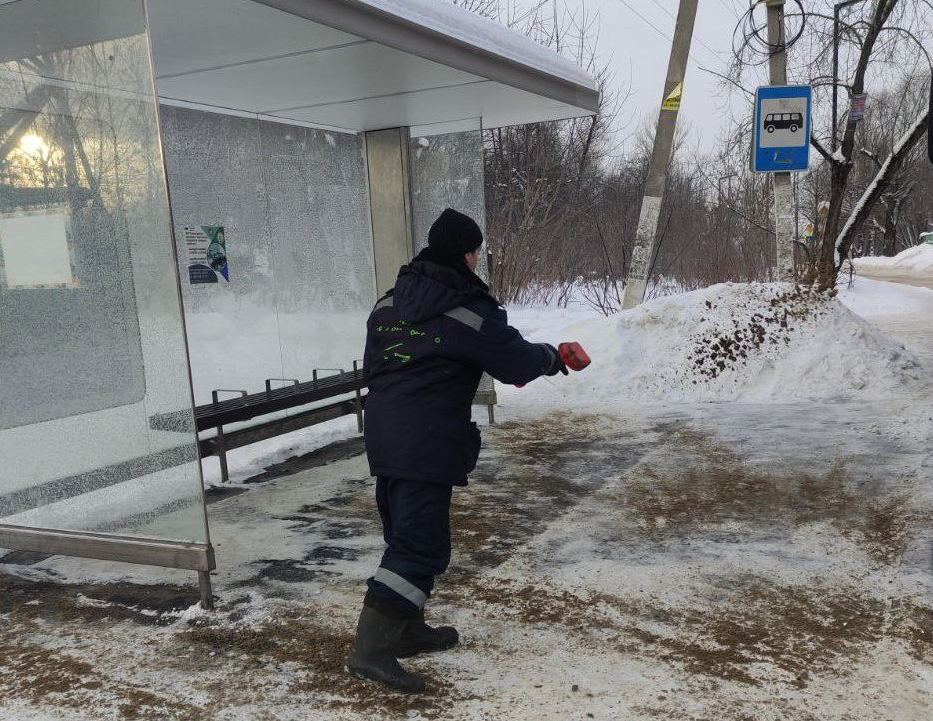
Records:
x=419, y=637
x=372, y=657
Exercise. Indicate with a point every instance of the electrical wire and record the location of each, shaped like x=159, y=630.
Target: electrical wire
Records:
x=695, y=36
x=753, y=40
x=663, y=34
x=730, y=8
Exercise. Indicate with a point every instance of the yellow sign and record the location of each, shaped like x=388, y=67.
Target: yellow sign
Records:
x=672, y=101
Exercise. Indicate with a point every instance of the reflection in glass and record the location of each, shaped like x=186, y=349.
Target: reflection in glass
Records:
x=91, y=341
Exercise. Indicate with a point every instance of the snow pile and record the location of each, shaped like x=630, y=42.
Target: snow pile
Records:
x=913, y=261
x=734, y=342
x=878, y=301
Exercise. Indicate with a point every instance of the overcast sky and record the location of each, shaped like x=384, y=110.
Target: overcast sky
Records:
x=635, y=37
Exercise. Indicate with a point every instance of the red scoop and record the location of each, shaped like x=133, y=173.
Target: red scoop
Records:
x=573, y=355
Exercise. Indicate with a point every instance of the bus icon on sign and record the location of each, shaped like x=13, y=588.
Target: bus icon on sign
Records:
x=783, y=121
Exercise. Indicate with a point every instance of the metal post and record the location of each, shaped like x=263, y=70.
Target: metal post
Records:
x=222, y=455
x=930, y=124
x=359, y=401
x=783, y=193
x=207, y=593
x=729, y=185
x=492, y=414
x=646, y=236
x=221, y=445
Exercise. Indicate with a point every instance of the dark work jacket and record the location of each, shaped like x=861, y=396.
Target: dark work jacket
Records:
x=428, y=342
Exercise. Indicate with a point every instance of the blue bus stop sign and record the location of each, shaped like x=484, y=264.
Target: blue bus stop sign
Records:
x=782, y=128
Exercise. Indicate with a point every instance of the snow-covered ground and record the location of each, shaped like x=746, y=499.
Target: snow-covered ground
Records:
x=727, y=516
x=913, y=266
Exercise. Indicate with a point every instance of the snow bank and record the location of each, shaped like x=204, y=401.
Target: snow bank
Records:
x=879, y=300
x=731, y=342
x=917, y=260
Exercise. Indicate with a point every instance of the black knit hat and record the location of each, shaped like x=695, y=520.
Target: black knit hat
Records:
x=454, y=234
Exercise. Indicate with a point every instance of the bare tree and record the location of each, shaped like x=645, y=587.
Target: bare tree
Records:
x=882, y=43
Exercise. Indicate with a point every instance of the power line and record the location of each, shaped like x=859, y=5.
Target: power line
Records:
x=730, y=8
x=695, y=36
x=665, y=35
x=646, y=20
x=666, y=11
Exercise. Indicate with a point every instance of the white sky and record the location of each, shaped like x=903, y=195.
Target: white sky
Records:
x=638, y=55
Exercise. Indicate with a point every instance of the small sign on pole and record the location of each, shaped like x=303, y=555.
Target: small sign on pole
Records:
x=857, y=109
x=782, y=129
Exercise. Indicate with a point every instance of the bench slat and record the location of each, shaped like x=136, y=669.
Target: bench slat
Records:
x=234, y=410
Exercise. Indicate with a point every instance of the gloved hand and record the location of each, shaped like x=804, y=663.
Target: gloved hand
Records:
x=558, y=366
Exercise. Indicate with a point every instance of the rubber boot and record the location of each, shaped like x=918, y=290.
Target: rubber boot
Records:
x=419, y=637
x=372, y=657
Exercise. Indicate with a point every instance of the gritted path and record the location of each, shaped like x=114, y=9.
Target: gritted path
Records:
x=719, y=561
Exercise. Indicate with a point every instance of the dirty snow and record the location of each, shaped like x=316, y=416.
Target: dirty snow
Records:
x=731, y=342
x=615, y=557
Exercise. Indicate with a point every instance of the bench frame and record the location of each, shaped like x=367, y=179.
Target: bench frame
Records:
x=247, y=406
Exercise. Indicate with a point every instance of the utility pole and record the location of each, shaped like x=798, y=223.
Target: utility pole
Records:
x=783, y=192
x=646, y=236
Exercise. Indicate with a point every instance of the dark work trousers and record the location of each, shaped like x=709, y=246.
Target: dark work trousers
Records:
x=416, y=526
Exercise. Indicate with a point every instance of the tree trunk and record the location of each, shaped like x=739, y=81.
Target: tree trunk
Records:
x=827, y=268
x=889, y=244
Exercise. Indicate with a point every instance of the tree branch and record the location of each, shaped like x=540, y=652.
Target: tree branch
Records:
x=820, y=149
x=880, y=184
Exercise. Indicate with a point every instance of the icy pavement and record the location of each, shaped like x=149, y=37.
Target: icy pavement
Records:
x=727, y=561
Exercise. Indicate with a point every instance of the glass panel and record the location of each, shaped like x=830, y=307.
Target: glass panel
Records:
x=294, y=207
x=319, y=217
x=447, y=172
x=96, y=429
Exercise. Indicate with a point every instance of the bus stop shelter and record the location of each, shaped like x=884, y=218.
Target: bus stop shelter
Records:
x=205, y=195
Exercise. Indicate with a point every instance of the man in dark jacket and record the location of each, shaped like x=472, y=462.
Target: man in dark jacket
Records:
x=428, y=342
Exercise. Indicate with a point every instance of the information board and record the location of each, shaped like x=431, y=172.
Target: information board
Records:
x=782, y=129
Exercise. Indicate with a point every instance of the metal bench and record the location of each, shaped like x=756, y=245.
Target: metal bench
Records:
x=245, y=406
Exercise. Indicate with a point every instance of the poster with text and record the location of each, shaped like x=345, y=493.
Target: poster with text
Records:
x=206, y=246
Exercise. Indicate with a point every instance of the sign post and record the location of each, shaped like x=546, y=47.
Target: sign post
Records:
x=781, y=147
x=782, y=129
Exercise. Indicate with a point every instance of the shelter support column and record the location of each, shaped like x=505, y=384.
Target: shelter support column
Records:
x=389, y=202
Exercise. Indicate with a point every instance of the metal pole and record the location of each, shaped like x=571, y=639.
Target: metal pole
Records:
x=359, y=401
x=646, y=239
x=930, y=124
x=222, y=455
x=836, y=8
x=783, y=193
x=207, y=593
x=728, y=187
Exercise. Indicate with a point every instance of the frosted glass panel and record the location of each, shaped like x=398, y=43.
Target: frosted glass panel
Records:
x=294, y=207
x=319, y=218
x=91, y=334
x=446, y=172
